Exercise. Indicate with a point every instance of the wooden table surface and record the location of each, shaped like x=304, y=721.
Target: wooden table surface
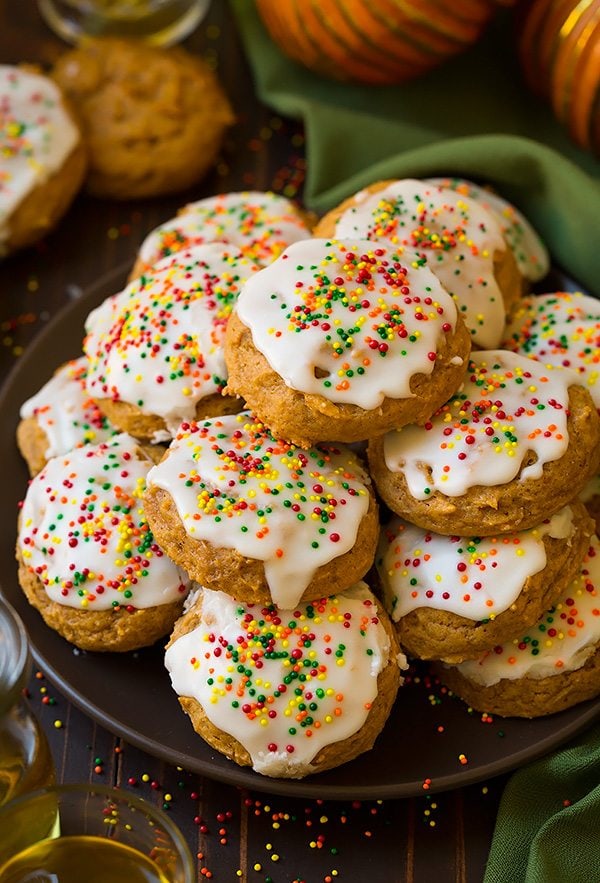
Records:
x=236, y=835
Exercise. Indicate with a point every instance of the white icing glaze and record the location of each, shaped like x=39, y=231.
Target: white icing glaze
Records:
x=158, y=344
x=562, y=328
x=36, y=137
x=84, y=533
x=236, y=486
x=455, y=236
x=261, y=225
x=508, y=405
x=65, y=412
x=562, y=641
x=474, y=577
x=313, y=669
x=361, y=322
x=530, y=252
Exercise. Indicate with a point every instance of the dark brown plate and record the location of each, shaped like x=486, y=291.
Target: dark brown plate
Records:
x=130, y=694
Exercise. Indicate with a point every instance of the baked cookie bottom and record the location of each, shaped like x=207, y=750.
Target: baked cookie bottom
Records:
x=427, y=633
x=528, y=697
x=517, y=505
x=244, y=578
x=100, y=630
x=306, y=419
x=150, y=427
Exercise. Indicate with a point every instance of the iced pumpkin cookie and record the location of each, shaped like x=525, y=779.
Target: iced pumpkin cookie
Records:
x=546, y=668
x=287, y=692
x=87, y=558
x=260, y=225
x=452, y=598
x=42, y=159
x=562, y=328
x=59, y=417
x=153, y=119
x=156, y=350
x=528, y=250
x=458, y=239
x=256, y=517
x=343, y=340
x=517, y=442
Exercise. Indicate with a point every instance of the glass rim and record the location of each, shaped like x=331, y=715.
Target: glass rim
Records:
x=114, y=792
x=15, y=660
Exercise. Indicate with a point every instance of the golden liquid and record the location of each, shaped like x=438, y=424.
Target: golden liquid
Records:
x=81, y=860
x=25, y=760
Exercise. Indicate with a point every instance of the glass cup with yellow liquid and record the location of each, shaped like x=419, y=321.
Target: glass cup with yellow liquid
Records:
x=25, y=759
x=91, y=833
x=159, y=22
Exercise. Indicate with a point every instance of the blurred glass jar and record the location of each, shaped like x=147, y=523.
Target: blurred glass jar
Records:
x=559, y=45
x=25, y=759
x=92, y=833
x=159, y=22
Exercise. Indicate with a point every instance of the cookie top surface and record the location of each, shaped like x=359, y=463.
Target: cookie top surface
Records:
x=528, y=249
x=562, y=328
x=508, y=406
x=36, y=137
x=560, y=642
x=474, y=577
x=261, y=225
x=454, y=235
x=347, y=320
x=158, y=344
x=84, y=534
x=153, y=118
x=66, y=413
x=284, y=683
x=237, y=487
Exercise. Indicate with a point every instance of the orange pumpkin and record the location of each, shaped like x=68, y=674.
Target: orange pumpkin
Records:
x=559, y=46
x=380, y=41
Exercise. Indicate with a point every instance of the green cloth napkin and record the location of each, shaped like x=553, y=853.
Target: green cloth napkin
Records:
x=471, y=117
x=537, y=838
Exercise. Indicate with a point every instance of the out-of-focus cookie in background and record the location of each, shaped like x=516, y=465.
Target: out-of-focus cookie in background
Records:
x=125, y=118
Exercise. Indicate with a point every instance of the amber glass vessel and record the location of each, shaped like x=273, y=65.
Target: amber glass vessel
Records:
x=25, y=759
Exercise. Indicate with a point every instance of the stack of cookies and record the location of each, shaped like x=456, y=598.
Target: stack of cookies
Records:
x=265, y=356
x=488, y=567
